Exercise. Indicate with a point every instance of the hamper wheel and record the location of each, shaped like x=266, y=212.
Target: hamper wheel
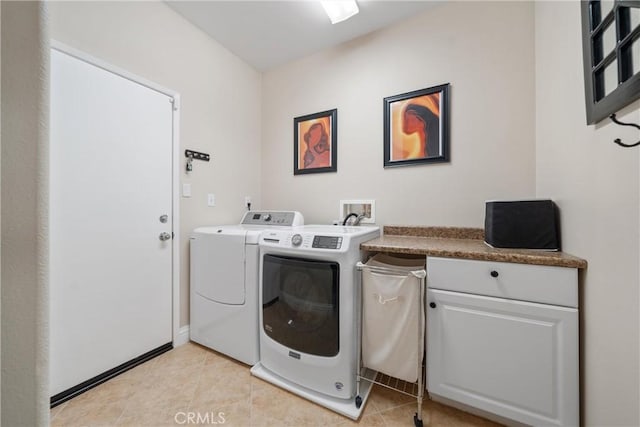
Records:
x=416, y=421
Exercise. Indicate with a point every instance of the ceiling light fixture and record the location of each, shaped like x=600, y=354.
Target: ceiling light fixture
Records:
x=340, y=10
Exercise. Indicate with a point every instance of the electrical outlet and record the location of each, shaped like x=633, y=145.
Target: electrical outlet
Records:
x=211, y=199
x=247, y=200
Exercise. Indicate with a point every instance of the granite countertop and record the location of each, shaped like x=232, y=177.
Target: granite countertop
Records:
x=459, y=242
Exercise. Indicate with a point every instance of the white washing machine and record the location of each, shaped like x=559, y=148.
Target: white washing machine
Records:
x=308, y=315
x=224, y=283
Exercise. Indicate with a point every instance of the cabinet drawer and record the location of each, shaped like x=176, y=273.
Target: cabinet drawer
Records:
x=535, y=283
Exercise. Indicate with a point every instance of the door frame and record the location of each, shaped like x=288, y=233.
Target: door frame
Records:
x=175, y=169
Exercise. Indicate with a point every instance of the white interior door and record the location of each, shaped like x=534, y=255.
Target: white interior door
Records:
x=110, y=182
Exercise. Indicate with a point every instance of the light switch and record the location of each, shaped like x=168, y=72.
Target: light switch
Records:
x=186, y=190
x=211, y=199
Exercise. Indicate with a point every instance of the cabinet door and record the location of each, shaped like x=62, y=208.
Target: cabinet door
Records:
x=512, y=358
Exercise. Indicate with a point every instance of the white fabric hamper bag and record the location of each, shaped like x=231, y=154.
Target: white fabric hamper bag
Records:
x=392, y=318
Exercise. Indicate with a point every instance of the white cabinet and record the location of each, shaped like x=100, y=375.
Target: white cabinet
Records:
x=513, y=358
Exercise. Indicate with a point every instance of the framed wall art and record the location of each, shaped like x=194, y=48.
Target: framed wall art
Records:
x=416, y=127
x=315, y=139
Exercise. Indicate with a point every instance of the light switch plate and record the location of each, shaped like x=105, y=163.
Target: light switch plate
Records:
x=211, y=199
x=186, y=190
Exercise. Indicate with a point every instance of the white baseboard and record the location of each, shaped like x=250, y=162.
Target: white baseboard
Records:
x=183, y=336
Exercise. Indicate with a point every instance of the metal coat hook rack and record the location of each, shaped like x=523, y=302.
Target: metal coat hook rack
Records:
x=618, y=140
x=194, y=155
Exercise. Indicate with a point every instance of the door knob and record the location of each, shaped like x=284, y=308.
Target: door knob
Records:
x=164, y=236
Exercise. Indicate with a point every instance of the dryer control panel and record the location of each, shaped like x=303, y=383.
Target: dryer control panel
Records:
x=327, y=242
x=278, y=218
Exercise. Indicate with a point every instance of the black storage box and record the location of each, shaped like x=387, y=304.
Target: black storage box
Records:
x=521, y=224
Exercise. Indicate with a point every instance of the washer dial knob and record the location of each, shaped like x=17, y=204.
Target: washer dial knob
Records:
x=267, y=217
x=296, y=240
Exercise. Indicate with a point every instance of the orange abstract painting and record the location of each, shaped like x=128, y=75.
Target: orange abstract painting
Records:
x=415, y=127
x=315, y=142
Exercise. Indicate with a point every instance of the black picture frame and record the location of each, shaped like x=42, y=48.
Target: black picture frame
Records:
x=409, y=120
x=322, y=155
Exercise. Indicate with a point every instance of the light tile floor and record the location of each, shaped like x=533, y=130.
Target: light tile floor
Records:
x=195, y=380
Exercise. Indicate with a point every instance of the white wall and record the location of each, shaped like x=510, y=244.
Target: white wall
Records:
x=596, y=185
x=517, y=129
x=25, y=305
x=484, y=49
x=0, y=218
x=220, y=98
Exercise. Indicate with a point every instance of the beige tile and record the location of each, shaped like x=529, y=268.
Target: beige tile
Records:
x=183, y=356
x=113, y=391
x=192, y=381
x=274, y=406
x=369, y=408
x=258, y=384
x=157, y=404
x=160, y=398
x=221, y=393
x=442, y=415
x=236, y=414
x=271, y=405
x=382, y=398
x=403, y=415
x=89, y=413
x=223, y=383
x=324, y=417
x=55, y=411
x=153, y=417
x=372, y=420
x=213, y=357
x=172, y=373
x=226, y=370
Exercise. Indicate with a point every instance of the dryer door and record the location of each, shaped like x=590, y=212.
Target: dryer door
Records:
x=217, y=266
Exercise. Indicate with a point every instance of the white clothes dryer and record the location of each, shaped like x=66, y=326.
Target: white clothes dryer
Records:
x=224, y=283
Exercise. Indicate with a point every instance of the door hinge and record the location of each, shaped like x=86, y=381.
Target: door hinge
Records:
x=174, y=103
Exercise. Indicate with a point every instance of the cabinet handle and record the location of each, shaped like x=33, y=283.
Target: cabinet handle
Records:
x=494, y=273
x=432, y=304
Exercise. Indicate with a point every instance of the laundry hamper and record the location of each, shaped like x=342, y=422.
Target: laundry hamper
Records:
x=393, y=323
